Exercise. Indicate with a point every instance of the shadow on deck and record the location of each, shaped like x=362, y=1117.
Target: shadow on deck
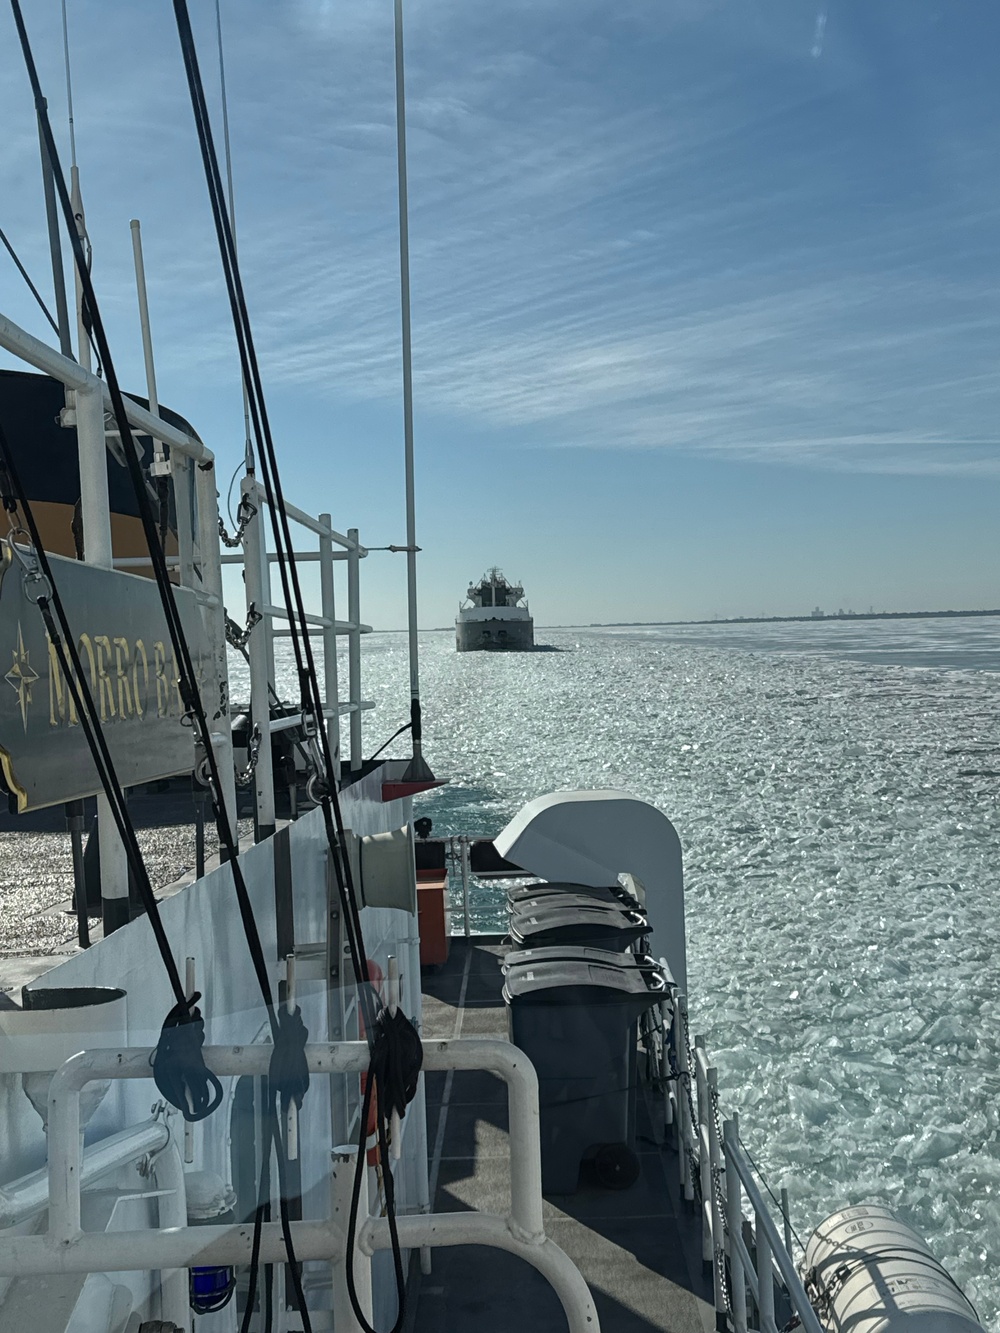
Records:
x=639, y=1249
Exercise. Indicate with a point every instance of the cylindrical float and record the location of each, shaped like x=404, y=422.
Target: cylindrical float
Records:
x=868, y=1272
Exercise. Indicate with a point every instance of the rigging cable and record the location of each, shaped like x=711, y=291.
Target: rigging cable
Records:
x=310, y=697
x=305, y=667
x=195, y=1090
x=27, y=277
x=285, y=1029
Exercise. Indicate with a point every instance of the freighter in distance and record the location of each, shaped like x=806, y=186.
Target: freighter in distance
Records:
x=494, y=617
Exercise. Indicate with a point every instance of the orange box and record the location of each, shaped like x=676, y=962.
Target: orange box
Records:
x=433, y=917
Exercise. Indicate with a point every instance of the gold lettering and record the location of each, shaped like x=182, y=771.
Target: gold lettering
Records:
x=105, y=690
x=141, y=697
x=162, y=683
x=85, y=646
x=123, y=660
x=61, y=705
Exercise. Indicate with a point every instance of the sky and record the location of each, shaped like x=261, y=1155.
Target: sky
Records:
x=706, y=313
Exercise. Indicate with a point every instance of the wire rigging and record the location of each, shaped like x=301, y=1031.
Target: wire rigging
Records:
x=27, y=278
x=310, y=695
x=186, y=1080
x=187, y=683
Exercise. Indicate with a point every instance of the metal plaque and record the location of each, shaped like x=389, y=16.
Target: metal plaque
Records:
x=128, y=662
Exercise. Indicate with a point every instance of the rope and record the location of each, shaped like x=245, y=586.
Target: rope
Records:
x=394, y=1067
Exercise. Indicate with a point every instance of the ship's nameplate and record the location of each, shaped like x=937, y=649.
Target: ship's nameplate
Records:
x=127, y=659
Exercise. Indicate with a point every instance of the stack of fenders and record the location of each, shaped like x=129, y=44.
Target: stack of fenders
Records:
x=578, y=980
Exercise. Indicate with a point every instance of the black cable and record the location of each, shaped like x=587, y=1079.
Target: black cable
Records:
x=305, y=666
x=27, y=277
x=186, y=1081
x=393, y=1069
x=405, y=727
x=310, y=696
x=187, y=683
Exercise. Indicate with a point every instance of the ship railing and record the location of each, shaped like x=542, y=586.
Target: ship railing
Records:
x=191, y=467
x=330, y=548
x=753, y=1263
x=65, y=1247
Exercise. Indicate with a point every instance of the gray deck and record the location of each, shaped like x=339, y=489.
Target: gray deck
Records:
x=638, y=1249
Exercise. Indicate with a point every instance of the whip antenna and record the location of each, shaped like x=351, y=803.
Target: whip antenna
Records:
x=417, y=769
x=69, y=88
x=248, y=446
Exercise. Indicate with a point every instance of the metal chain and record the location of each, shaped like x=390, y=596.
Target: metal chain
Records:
x=238, y=638
x=244, y=778
x=720, y=1261
x=713, y=1099
x=244, y=514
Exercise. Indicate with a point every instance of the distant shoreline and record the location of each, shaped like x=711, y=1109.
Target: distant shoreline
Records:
x=750, y=620
x=782, y=620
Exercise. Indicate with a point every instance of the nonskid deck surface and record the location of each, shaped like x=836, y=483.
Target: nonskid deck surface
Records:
x=638, y=1249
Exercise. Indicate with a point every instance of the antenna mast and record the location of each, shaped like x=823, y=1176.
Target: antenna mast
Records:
x=417, y=768
x=248, y=447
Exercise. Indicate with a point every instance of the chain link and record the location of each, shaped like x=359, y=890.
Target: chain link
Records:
x=238, y=638
x=720, y=1263
x=244, y=514
x=244, y=778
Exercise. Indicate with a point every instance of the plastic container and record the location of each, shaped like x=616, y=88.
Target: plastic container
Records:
x=575, y=1018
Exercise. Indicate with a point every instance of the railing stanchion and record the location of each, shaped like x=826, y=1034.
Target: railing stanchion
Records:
x=331, y=684
x=354, y=647
x=734, y=1225
x=765, y=1280
x=257, y=578
x=466, y=927
x=685, y=1130
x=786, y=1219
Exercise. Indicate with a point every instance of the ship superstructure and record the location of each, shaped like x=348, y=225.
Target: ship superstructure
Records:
x=494, y=617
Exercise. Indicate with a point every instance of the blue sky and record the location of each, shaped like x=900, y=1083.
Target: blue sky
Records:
x=705, y=292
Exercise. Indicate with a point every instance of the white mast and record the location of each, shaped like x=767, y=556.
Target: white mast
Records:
x=417, y=768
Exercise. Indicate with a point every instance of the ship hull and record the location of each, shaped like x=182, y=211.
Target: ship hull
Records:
x=495, y=635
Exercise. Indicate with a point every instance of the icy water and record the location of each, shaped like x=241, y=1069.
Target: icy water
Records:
x=835, y=790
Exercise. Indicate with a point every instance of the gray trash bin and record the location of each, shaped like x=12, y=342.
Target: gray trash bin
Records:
x=575, y=1020
x=567, y=921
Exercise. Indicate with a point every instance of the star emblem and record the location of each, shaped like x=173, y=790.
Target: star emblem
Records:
x=21, y=677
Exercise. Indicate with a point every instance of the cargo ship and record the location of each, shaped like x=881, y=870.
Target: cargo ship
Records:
x=494, y=617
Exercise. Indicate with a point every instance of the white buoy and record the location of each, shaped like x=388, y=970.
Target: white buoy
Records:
x=867, y=1272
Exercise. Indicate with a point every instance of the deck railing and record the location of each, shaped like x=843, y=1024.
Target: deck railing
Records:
x=65, y=1247
x=752, y=1261
x=261, y=631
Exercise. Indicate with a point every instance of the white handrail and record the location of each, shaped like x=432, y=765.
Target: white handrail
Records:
x=70, y=373
x=65, y=1248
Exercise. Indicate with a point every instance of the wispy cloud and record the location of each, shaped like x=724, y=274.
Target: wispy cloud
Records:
x=818, y=35
x=662, y=249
